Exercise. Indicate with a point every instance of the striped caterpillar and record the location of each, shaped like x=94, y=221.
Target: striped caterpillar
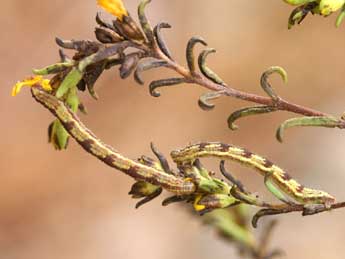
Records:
x=107, y=154
x=277, y=181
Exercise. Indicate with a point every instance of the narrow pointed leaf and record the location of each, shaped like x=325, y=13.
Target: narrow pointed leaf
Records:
x=190, y=51
x=92, y=73
x=66, y=44
x=57, y=135
x=53, y=69
x=340, y=17
x=205, y=98
x=144, y=21
x=267, y=212
x=205, y=70
x=230, y=177
x=164, y=82
x=160, y=41
x=328, y=122
x=147, y=65
x=248, y=112
x=71, y=80
x=162, y=159
x=266, y=85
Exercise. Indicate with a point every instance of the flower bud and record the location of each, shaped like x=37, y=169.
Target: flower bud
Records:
x=329, y=6
x=142, y=189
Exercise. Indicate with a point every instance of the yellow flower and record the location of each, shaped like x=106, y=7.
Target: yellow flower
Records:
x=115, y=7
x=32, y=81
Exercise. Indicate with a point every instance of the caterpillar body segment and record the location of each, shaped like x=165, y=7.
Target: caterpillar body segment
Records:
x=276, y=179
x=105, y=153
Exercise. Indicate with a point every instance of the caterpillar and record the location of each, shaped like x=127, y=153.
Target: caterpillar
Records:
x=276, y=179
x=107, y=154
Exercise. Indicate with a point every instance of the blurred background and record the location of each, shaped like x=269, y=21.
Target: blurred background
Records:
x=69, y=205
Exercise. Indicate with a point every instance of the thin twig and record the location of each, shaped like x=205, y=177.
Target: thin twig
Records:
x=199, y=79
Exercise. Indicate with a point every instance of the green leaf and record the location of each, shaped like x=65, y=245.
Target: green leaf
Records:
x=190, y=51
x=340, y=17
x=266, y=85
x=247, y=112
x=58, y=136
x=71, y=80
x=53, y=69
x=205, y=70
x=144, y=21
x=328, y=122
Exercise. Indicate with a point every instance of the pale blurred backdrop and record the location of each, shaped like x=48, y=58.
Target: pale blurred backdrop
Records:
x=69, y=205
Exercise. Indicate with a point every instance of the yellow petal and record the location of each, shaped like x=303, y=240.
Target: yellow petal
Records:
x=31, y=81
x=197, y=206
x=46, y=85
x=115, y=7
